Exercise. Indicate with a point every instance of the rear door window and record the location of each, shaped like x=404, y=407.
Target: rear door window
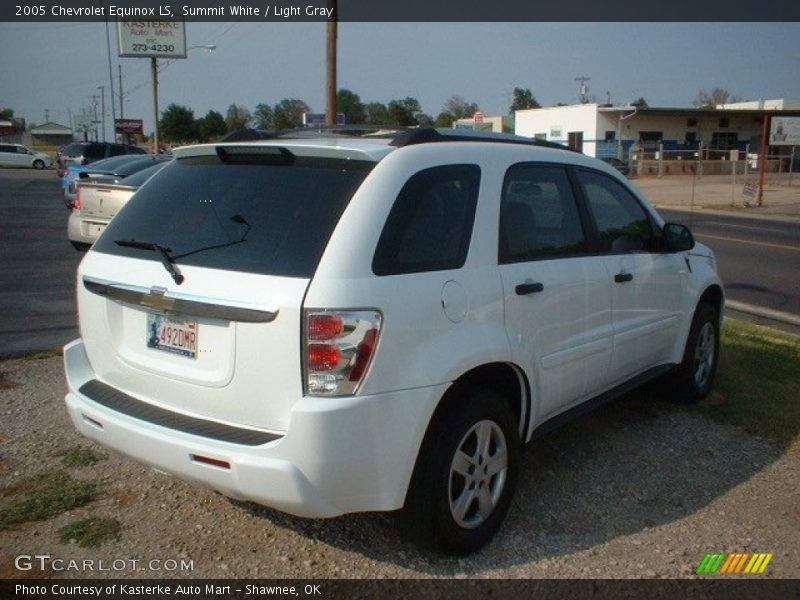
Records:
x=539, y=217
x=254, y=216
x=94, y=151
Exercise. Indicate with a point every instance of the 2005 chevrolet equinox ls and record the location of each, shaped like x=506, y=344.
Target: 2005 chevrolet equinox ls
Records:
x=341, y=323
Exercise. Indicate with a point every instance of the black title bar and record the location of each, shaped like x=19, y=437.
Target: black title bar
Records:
x=403, y=11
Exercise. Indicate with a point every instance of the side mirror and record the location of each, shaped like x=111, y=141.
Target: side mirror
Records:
x=677, y=237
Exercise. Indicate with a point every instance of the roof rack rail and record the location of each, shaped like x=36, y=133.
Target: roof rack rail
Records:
x=427, y=135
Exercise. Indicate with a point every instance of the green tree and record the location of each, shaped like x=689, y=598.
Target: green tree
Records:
x=177, y=124
x=640, y=102
x=403, y=112
x=522, y=99
x=237, y=117
x=716, y=96
x=6, y=113
x=444, y=119
x=375, y=113
x=350, y=104
x=264, y=117
x=460, y=108
x=289, y=113
x=211, y=127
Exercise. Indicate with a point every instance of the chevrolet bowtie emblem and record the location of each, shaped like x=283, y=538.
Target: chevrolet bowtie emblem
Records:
x=157, y=299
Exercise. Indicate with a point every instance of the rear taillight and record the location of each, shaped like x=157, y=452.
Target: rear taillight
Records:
x=338, y=349
x=76, y=204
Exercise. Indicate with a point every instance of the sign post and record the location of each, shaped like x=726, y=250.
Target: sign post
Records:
x=153, y=40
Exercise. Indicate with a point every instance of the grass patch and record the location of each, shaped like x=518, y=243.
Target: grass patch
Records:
x=758, y=383
x=80, y=456
x=44, y=496
x=91, y=532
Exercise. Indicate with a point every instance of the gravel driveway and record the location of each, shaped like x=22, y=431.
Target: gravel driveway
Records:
x=638, y=489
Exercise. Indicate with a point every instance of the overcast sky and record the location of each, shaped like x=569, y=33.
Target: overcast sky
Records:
x=57, y=66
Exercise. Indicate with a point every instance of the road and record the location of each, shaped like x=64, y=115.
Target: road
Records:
x=759, y=262
x=37, y=264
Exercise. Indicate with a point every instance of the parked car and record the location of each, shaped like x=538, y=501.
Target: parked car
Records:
x=97, y=201
x=334, y=325
x=619, y=165
x=17, y=155
x=109, y=170
x=85, y=153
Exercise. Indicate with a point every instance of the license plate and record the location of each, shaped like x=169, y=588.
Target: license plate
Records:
x=177, y=336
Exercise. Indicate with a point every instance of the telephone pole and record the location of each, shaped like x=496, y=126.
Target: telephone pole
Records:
x=332, y=34
x=102, y=89
x=121, y=111
x=583, y=90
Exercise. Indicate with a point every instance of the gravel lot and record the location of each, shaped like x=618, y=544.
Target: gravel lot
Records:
x=639, y=489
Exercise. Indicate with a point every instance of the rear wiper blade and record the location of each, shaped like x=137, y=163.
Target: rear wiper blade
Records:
x=166, y=258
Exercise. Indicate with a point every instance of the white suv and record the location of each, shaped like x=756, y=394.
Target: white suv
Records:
x=347, y=324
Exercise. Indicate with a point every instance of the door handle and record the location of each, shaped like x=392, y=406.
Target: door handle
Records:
x=623, y=277
x=523, y=289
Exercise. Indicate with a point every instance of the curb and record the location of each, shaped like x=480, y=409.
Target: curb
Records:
x=767, y=313
x=780, y=218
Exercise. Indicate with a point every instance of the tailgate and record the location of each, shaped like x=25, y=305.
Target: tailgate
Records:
x=242, y=366
x=103, y=201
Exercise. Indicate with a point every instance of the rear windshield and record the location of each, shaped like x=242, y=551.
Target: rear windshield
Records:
x=138, y=178
x=272, y=219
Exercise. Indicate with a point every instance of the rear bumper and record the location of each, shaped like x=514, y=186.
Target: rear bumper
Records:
x=338, y=455
x=78, y=228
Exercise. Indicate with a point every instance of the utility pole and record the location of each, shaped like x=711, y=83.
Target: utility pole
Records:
x=102, y=89
x=121, y=111
x=332, y=33
x=110, y=90
x=583, y=90
x=46, y=116
x=94, y=109
x=154, y=72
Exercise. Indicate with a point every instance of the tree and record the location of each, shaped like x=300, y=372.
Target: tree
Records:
x=403, y=112
x=350, y=104
x=211, y=127
x=238, y=117
x=178, y=124
x=375, y=113
x=640, y=102
x=716, y=96
x=522, y=99
x=289, y=113
x=460, y=108
x=444, y=119
x=6, y=114
x=264, y=117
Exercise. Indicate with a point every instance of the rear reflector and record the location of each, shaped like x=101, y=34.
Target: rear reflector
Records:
x=214, y=462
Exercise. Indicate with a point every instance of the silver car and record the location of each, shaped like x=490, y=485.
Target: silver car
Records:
x=97, y=201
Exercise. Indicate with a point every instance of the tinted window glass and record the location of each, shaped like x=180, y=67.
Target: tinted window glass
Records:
x=117, y=149
x=430, y=224
x=110, y=164
x=273, y=219
x=140, y=177
x=538, y=215
x=136, y=165
x=72, y=150
x=4, y=148
x=94, y=151
x=135, y=150
x=622, y=224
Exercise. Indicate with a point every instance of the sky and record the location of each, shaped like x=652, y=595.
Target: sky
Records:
x=55, y=67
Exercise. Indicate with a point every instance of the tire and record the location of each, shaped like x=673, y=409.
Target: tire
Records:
x=695, y=375
x=465, y=474
x=80, y=247
x=38, y=164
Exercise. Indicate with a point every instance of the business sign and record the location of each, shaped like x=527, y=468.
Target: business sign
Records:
x=785, y=131
x=152, y=39
x=478, y=117
x=318, y=119
x=133, y=126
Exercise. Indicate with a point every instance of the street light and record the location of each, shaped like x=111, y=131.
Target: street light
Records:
x=154, y=71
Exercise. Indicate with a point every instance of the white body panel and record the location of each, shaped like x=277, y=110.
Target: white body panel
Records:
x=581, y=336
